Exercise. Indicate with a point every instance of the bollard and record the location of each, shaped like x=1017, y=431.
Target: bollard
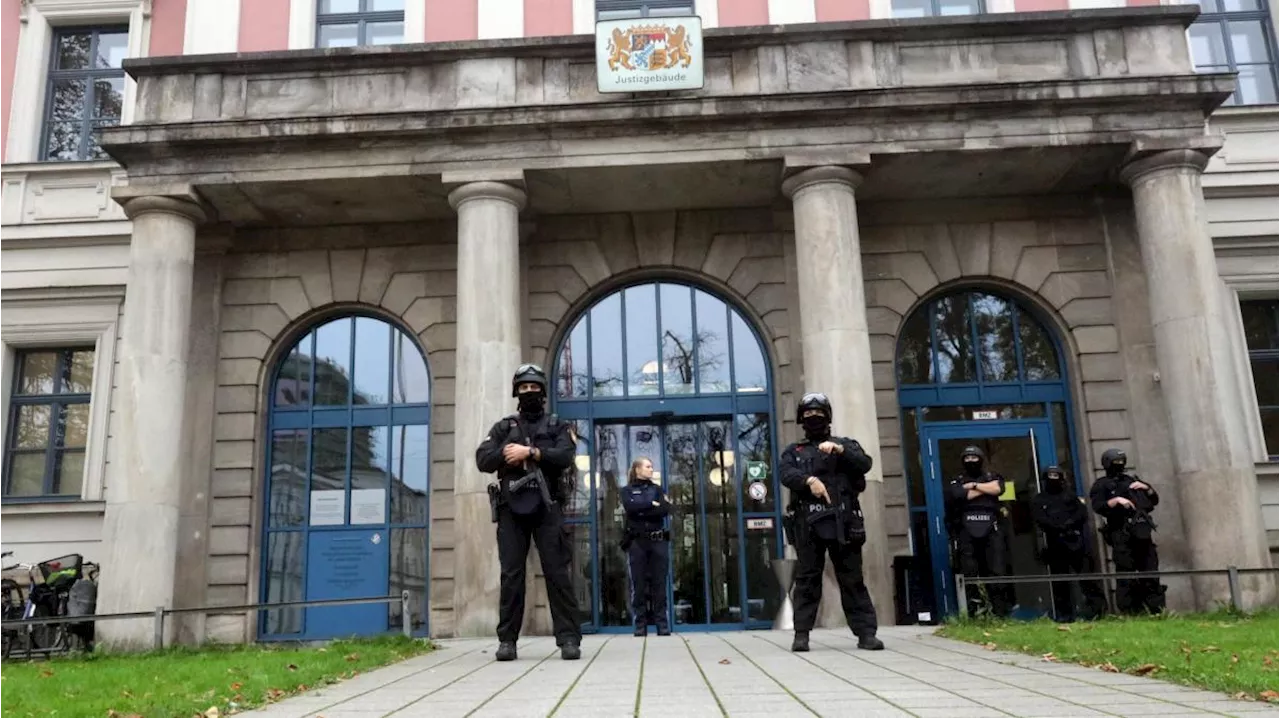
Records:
x=962, y=596
x=159, y=637
x=1233, y=586
x=784, y=570
x=406, y=618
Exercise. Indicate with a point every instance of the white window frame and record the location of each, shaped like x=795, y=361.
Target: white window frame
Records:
x=584, y=15
x=47, y=321
x=38, y=18
x=302, y=23
x=1237, y=292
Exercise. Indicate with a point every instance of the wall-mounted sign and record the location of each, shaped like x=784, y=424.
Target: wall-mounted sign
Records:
x=984, y=415
x=328, y=508
x=759, y=524
x=649, y=54
x=757, y=490
x=757, y=470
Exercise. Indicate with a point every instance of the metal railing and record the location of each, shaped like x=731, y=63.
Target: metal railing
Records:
x=1233, y=580
x=160, y=612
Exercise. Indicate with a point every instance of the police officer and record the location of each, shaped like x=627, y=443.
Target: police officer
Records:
x=1126, y=503
x=646, y=545
x=973, y=499
x=529, y=451
x=825, y=474
x=1062, y=516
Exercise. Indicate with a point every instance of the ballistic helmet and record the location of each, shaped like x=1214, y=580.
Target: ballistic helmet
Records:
x=814, y=400
x=528, y=373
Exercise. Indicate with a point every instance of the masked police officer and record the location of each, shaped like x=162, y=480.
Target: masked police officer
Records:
x=973, y=500
x=825, y=474
x=1126, y=503
x=645, y=542
x=1062, y=516
x=529, y=451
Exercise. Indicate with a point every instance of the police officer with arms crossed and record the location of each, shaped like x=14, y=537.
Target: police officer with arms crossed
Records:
x=529, y=451
x=645, y=542
x=1062, y=516
x=1126, y=503
x=973, y=500
x=825, y=474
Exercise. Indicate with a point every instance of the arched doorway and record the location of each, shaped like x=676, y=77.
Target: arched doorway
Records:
x=977, y=367
x=671, y=372
x=346, y=483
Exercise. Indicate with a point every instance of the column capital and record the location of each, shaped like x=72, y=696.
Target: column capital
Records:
x=827, y=174
x=1147, y=156
x=488, y=190
x=182, y=201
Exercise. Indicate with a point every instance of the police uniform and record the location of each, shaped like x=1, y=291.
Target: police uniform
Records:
x=820, y=528
x=975, y=528
x=1130, y=533
x=1062, y=516
x=646, y=544
x=532, y=513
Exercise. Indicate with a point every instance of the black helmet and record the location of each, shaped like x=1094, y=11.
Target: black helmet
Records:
x=813, y=400
x=528, y=373
x=973, y=451
x=1055, y=469
x=1111, y=456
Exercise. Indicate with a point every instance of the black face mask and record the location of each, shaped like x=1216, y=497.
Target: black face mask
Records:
x=973, y=468
x=1115, y=468
x=816, y=427
x=531, y=402
x=1054, y=486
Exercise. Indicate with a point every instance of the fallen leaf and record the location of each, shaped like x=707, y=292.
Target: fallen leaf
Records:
x=1109, y=667
x=988, y=635
x=1210, y=649
x=1235, y=659
x=126, y=694
x=1064, y=629
x=236, y=686
x=46, y=673
x=724, y=661
x=291, y=667
x=274, y=694
x=302, y=687
x=1049, y=657
x=1269, y=695
x=989, y=646
x=1266, y=661
x=213, y=712
x=1242, y=696
x=352, y=658
x=1144, y=669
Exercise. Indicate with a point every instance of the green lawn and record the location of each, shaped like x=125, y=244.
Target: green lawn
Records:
x=208, y=681
x=1226, y=652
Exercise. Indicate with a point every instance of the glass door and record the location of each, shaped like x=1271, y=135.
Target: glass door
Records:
x=1016, y=451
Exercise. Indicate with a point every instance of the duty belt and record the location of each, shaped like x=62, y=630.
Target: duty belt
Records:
x=659, y=535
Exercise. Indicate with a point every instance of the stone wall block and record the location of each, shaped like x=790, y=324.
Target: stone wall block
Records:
x=914, y=270
x=1109, y=48
x=1007, y=241
x=541, y=332
x=1108, y=425
x=312, y=267
x=883, y=376
x=817, y=66
x=239, y=371
x=770, y=296
x=1082, y=60
x=228, y=570
x=781, y=354
x=258, y=265
x=236, y=398
x=882, y=320
x=228, y=540
x=231, y=512
x=1062, y=287
x=402, y=290
x=442, y=335
x=772, y=67
x=1076, y=230
x=288, y=95
x=694, y=233
x=890, y=430
x=588, y=261
x=972, y=244
x=548, y=306
x=718, y=76
x=1088, y=312
x=746, y=71
x=346, y=268
x=235, y=426
x=288, y=294
x=563, y=280
x=486, y=82
x=1156, y=50
x=1035, y=266
x=443, y=362
x=426, y=311
x=233, y=96
x=753, y=272
x=555, y=78
x=530, y=86
x=896, y=521
x=1096, y=340
x=267, y=318
x=227, y=595
x=723, y=255
x=618, y=242
x=246, y=292
x=1105, y=396
x=225, y=628
x=888, y=65
x=895, y=489
x=243, y=345
x=892, y=294
x=368, y=92
x=442, y=476
x=655, y=234
x=229, y=483
x=233, y=454
x=886, y=402
x=380, y=263
x=862, y=64
x=934, y=241
x=883, y=347
x=1102, y=367
x=442, y=390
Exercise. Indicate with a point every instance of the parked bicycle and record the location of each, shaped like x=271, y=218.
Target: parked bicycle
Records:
x=65, y=586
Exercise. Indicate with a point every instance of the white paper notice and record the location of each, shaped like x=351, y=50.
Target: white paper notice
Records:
x=369, y=506
x=327, y=507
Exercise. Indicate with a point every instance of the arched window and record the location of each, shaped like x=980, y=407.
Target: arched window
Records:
x=348, y=460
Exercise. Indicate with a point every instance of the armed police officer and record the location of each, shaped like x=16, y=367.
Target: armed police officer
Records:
x=973, y=503
x=1126, y=503
x=530, y=451
x=825, y=474
x=1062, y=516
x=645, y=542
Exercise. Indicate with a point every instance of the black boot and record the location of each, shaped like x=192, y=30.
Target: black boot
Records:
x=641, y=630
x=664, y=629
x=506, y=651
x=869, y=642
x=801, y=642
x=570, y=652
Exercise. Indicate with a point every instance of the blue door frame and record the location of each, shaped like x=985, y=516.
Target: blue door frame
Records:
x=1039, y=431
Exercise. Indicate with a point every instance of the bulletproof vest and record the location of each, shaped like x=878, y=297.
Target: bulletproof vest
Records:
x=1136, y=524
x=636, y=499
x=978, y=516
x=1065, y=515
x=528, y=499
x=814, y=462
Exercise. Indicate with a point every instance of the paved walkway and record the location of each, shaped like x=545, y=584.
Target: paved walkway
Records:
x=750, y=674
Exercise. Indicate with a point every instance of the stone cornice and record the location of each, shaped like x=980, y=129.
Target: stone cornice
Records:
x=135, y=207
x=1148, y=156
x=487, y=190
x=814, y=176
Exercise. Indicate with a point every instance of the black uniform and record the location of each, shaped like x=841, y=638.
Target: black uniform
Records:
x=532, y=512
x=820, y=528
x=975, y=528
x=1062, y=516
x=1129, y=532
x=646, y=544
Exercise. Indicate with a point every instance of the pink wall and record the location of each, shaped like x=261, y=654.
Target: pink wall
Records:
x=168, y=27
x=1140, y=3
x=264, y=25
x=1038, y=5
x=455, y=20
x=744, y=12
x=548, y=17
x=10, y=14
x=836, y=10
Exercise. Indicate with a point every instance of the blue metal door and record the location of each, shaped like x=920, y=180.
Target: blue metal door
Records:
x=347, y=563
x=1017, y=450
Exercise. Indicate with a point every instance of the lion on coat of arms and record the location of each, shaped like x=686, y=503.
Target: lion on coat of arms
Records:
x=652, y=47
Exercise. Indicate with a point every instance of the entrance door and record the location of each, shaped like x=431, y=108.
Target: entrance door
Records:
x=697, y=463
x=1016, y=451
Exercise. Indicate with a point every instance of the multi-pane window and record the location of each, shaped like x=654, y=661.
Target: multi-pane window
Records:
x=48, y=423
x=1260, y=329
x=934, y=8
x=624, y=9
x=346, y=23
x=86, y=91
x=1236, y=36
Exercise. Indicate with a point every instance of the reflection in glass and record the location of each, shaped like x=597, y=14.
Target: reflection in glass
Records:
x=612, y=459
x=1061, y=437
x=112, y=48
x=284, y=580
x=410, y=452
x=72, y=51
x=955, y=343
x=38, y=369
x=720, y=489
x=369, y=457
x=372, y=365
x=683, y=476
x=911, y=455
x=328, y=459
x=337, y=35
x=762, y=586
x=74, y=425
x=571, y=370
x=915, y=351
x=578, y=503
x=408, y=573
x=755, y=449
x=411, y=383
x=70, y=477
x=995, y=338
x=750, y=373
x=287, y=505
x=608, y=374
x=678, y=349
x=580, y=568
x=384, y=33
x=332, y=364
x=26, y=474
x=33, y=426
x=713, y=343
x=642, y=339
x=1039, y=358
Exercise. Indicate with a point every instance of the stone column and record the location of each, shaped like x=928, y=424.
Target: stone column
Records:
x=144, y=489
x=836, y=342
x=488, y=353
x=1214, y=478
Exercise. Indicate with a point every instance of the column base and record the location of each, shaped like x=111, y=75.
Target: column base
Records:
x=476, y=575
x=138, y=573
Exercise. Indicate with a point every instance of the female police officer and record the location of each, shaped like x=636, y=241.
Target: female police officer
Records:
x=645, y=542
